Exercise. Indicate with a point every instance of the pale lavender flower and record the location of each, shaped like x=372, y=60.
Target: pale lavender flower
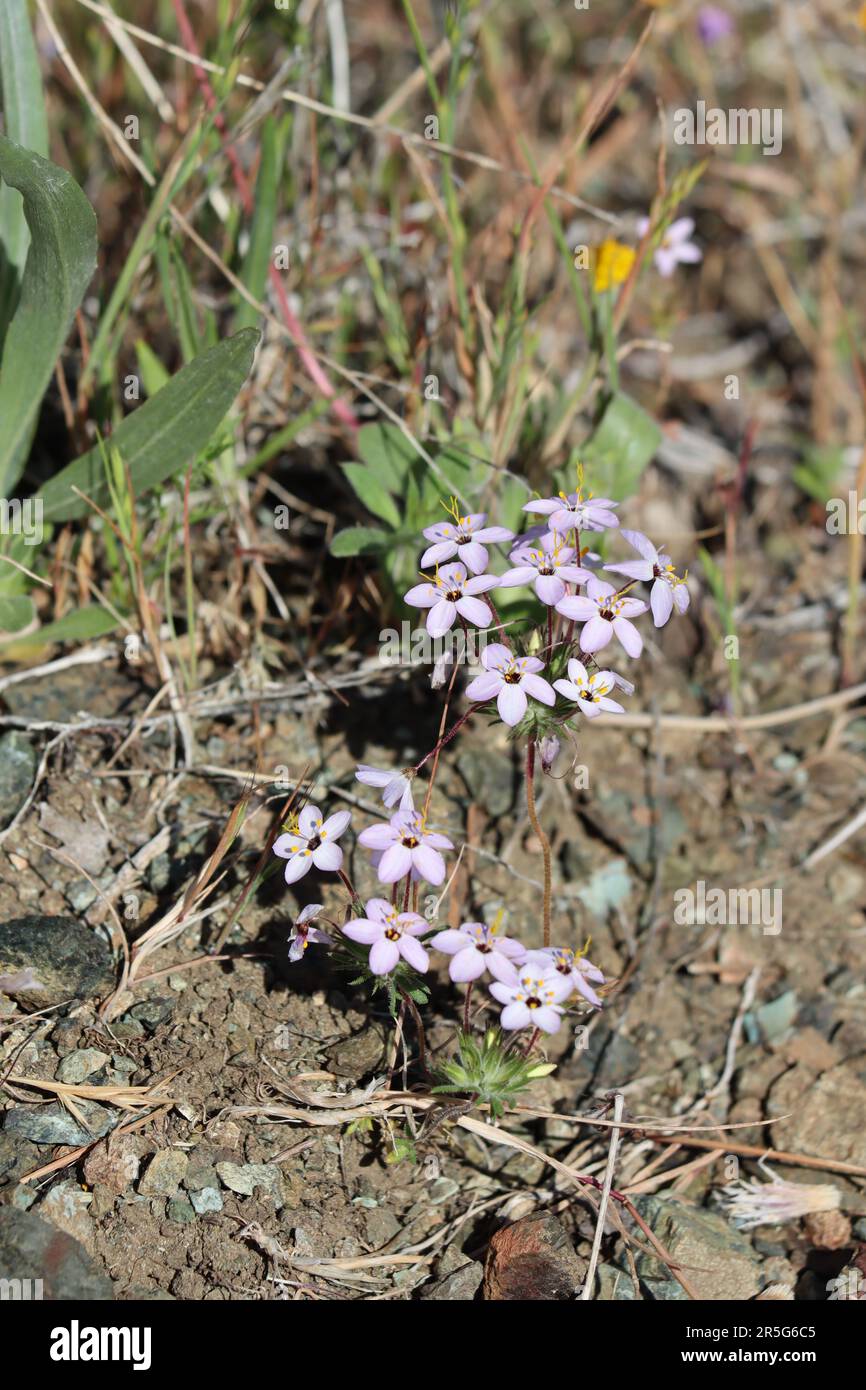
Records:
x=714, y=24
x=589, y=692
x=407, y=845
x=533, y=996
x=390, y=934
x=675, y=247
x=396, y=786
x=303, y=933
x=548, y=750
x=575, y=968
x=754, y=1203
x=452, y=592
x=474, y=948
x=510, y=679
x=466, y=538
x=547, y=567
x=575, y=512
x=668, y=591
x=312, y=843
x=605, y=615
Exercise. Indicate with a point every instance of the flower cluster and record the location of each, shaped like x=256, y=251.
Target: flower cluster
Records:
x=552, y=563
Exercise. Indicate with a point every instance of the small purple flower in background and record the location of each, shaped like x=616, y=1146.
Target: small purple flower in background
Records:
x=713, y=24
x=548, y=750
x=463, y=538
x=395, y=786
x=573, y=968
x=302, y=933
x=391, y=934
x=548, y=567
x=605, y=616
x=534, y=995
x=312, y=843
x=474, y=948
x=668, y=590
x=575, y=512
x=510, y=679
x=449, y=593
x=675, y=247
x=407, y=846
x=588, y=691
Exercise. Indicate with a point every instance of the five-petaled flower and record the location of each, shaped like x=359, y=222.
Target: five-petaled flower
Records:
x=548, y=567
x=587, y=691
x=533, y=995
x=396, y=786
x=668, y=591
x=605, y=614
x=575, y=512
x=312, y=843
x=390, y=934
x=574, y=967
x=674, y=247
x=407, y=845
x=510, y=679
x=467, y=537
x=452, y=592
x=303, y=933
x=474, y=948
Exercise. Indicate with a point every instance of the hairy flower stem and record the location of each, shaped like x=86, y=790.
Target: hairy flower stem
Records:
x=466, y=1003
x=536, y=1034
x=409, y=1003
x=357, y=905
x=536, y=826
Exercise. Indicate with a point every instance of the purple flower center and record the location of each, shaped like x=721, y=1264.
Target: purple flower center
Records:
x=533, y=1002
x=314, y=843
x=409, y=840
x=512, y=677
x=453, y=595
x=392, y=934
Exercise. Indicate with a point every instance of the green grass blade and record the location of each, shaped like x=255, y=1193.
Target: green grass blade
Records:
x=162, y=435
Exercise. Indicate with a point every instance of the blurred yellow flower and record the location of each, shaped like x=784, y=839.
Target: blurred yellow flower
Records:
x=613, y=261
x=861, y=18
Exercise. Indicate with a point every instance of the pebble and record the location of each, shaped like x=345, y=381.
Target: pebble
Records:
x=206, y=1199
x=52, y=1124
x=46, y=961
x=77, y=1066
x=245, y=1178
x=17, y=771
x=718, y=1262
x=534, y=1260
x=164, y=1174
x=36, y=1249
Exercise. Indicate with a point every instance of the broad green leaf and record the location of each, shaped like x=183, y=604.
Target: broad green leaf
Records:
x=387, y=453
x=161, y=436
x=25, y=122
x=255, y=268
x=372, y=493
x=78, y=626
x=16, y=611
x=60, y=263
x=619, y=450
x=358, y=540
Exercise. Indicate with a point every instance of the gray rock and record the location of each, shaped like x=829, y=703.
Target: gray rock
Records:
x=79, y=1065
x=45, y=961
x=67, y=1207
x=490, y=780
x=462, y=1285
x=717, y=1261
x=245, y=1178
x=31, y=1248
x=180, y=1211
x=359, y=1054
x=614, y=1285
x=164, y=1174
x=206, y=1199
x=17, y=771
x=200, y=1175
x=51, y=1124
x=17, y=1156
x=829, y=1114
